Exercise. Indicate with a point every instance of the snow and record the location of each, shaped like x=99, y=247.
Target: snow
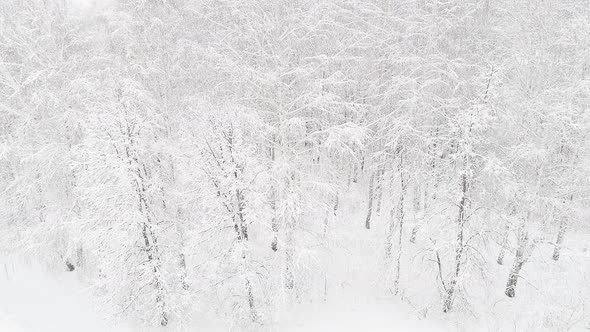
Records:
x=374, y=315
x=35, y=299
x=8, y=325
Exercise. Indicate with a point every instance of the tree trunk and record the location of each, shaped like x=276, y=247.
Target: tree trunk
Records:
x=153, y=256
x=523, y=252
x=390, y=233
x=370, y=208
x=559, y=241
x=362, y=162
x=519, y=260
x=184, y=274
x=513, y=277
x=500, y=259
x=432, y=151
x=379, y=189
x=151, y=243
x=401, y=214
x=459, y=246
x=414, y=233
x=274, y=245
x=289, y=248
x=251, y=304
x=418, y=204
x=241, y=228
x=150, y=239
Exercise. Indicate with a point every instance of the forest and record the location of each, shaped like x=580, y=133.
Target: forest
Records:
x=234, y=161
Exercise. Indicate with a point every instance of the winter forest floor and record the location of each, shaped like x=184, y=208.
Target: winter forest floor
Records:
x=40, y=299
x=551, y=296
x=35, y=299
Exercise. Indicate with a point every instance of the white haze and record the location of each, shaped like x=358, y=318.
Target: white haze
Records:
x=291, y=165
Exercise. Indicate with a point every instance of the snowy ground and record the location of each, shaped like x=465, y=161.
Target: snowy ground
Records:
x=373, y=315
x=33, y=299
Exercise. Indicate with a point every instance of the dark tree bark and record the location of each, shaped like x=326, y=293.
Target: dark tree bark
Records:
x=69, y=266
x=241, y=227
x=150, y=239
x=523, y=252
x=184, y=273
x=519, y=260
x=459, y=245
x=414, y=234
x=559, y=241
